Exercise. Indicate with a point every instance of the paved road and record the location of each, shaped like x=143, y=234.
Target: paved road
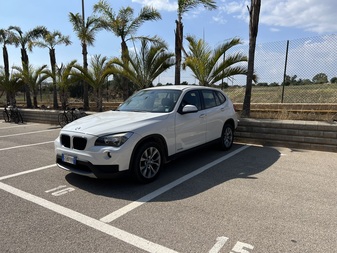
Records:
x=250, y=199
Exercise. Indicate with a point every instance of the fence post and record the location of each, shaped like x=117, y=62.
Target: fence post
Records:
x=285, y=71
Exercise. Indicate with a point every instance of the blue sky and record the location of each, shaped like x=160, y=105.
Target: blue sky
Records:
x=280, y=20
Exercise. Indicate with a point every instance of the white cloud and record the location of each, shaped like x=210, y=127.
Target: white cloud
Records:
x=273, y=29
x=310, y=15
x=236, y=8
x=172, y=6
x=219, y=19
x=166, y=5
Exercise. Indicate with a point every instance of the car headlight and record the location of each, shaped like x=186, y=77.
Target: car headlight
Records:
x=114, y=140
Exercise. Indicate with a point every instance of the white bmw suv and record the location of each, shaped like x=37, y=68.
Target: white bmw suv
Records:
x=146, y=131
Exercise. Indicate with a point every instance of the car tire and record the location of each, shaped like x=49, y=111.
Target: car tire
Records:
x=147, y=162
x=227, y=137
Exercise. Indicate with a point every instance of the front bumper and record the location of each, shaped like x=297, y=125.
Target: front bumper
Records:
x=90, y=160
x=88, y=169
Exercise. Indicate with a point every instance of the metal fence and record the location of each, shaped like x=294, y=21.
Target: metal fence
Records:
x=296, y=71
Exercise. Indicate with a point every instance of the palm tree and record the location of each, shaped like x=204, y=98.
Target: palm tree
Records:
x=64, y=78
x=143, y=68
x=22, y=39
x=5, y=40
x=125, y=25
x=183, y=7
x=10, y=84
x=96, y=76
x=33, y=77
x=208, y=65
x=50, y=40
x=86, y=32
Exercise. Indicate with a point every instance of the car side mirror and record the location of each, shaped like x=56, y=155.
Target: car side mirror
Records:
x=189, y=109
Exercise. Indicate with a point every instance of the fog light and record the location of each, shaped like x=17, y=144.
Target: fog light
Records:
x=107, y=153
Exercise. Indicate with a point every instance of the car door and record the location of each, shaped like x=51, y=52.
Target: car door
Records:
x=215, y=111
x=190, y=127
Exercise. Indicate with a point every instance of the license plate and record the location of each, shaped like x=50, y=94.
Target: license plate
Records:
x=68, y=159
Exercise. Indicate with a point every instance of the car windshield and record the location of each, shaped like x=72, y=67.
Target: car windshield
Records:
x=158, y=101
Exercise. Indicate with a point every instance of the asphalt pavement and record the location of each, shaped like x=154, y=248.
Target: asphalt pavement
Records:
x=249, y=199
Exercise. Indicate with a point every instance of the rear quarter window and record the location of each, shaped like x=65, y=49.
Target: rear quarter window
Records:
x=213, y=98
x=221, y=97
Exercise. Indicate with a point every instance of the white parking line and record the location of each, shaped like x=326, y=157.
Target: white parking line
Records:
x=34, y=132
x=120, y=212
x=122, y=235
x=27, y=172
x=28, y=145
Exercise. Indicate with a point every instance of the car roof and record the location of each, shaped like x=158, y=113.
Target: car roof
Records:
x=181, y=87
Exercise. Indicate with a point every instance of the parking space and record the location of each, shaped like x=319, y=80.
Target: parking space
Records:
x=249, y=199
x=25, y=144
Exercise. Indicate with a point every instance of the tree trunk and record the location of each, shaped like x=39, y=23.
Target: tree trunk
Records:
x=25, y=64
x=53, y=69
x=124, y=80
x=11, y=98
x=254, y=12
x=6, y=63
x=125, y=52
x=35, y=100
x=85, y=84
x=63, y=98
x=99, y=100
x=178, y=47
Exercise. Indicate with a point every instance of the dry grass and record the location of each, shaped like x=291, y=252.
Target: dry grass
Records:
x=302, y=102
x=284, y=114
x=314, y=93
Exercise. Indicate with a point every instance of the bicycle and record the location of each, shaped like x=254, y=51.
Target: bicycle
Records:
x=69, y=115
x=5, y=114
x=12, y=114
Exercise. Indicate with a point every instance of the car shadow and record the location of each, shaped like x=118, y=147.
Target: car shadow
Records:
x=247, y=164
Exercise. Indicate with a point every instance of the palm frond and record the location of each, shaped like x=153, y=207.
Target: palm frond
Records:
x=210, y=66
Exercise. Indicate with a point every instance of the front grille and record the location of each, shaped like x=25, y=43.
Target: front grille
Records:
x=79, y=143
x=65, y=140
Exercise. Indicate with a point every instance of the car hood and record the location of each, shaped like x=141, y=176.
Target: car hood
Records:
x=113, y=122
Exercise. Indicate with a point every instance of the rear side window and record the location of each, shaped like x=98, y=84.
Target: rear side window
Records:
x=213, y=98
x=221, y=97
x=209, y=98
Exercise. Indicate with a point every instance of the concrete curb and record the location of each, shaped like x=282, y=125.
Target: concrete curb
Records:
x=313, y=135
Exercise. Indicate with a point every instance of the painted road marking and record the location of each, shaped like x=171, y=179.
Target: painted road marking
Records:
x=60, y=190
x=28, y=145
x=124, y=210
x=27, y=172
x=239, y=247
x=220, y=242
x=34, y=132
x=101, y=225
x=122, y=235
